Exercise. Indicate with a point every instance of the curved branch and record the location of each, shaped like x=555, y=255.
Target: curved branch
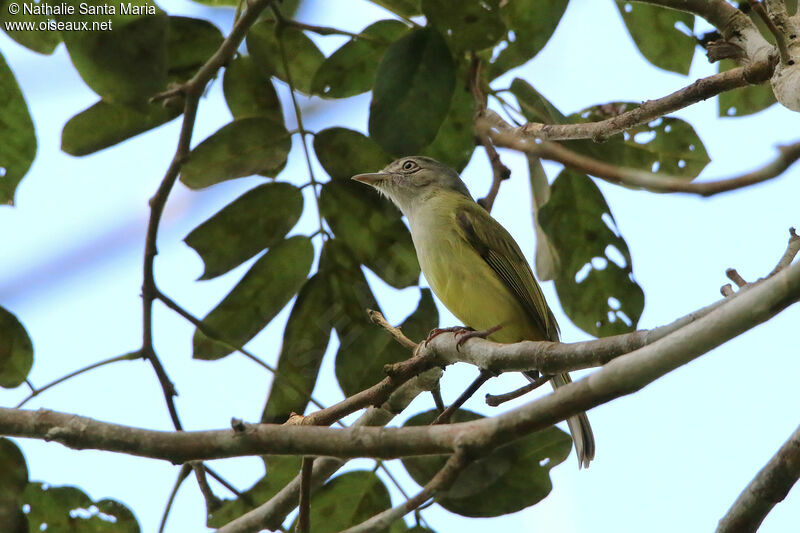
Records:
x=768, y=488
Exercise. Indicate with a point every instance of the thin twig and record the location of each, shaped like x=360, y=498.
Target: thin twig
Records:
x=182, y=475
x=303, y=518
x=780, y=38
x=445, y=416
x=768, y=488
x=212, y=502
x=225, y=483
x=792, y=249
x=735, y=277
x=494, y=400
x=377, y=318
x=36, y=392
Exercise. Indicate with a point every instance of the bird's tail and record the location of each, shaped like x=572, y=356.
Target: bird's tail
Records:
x=579, y=426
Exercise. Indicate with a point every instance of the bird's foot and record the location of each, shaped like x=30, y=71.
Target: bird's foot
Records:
x=465, y=335
x=453, y=329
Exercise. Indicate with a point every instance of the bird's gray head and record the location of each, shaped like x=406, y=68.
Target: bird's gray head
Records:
x=409, y=181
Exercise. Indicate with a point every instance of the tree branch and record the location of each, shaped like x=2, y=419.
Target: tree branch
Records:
x=662, y=183
x=768, y=488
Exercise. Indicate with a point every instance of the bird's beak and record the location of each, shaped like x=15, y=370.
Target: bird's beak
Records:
x=372, y=179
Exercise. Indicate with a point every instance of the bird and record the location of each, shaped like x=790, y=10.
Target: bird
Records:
x=473, y=264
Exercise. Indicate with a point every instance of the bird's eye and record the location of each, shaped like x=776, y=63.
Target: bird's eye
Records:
x=409, y=165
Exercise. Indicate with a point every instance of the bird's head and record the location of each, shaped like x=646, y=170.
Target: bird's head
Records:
x=409, y=181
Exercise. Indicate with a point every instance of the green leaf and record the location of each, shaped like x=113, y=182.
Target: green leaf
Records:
x=413, y=88
x=105, y=124
x=17, y=135
x=248, y=92
x=41, y=39
x=347, y=500
x=654, y=31
x=473, y=25
x=668, y=145
x=533, y=23
x=373, y=231
x=268, y=46
x=404, y=8
x=16, y=351
x=190, y=43
x=266, y=288
x=744, y=100
x=534, y=106
x=344, y=153
x=350, y=70
x=126, y=64
x=365, y=350
x=14, y=473
x=256, y=220
x=511, y=478
x=280, y=471
x=595, y=274
x=305, y=340
x=70, y=509
x=246, y=146
x=455, y=142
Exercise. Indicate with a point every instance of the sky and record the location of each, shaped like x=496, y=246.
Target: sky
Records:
x=673, y=456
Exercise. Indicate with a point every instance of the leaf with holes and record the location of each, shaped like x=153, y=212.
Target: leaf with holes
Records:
x=272, y=54
x=474, y=25
x=267, y=287
x=70, y=509
x=248, y=92
x=16, y=351
x=594, y=281
x=668, y=145
x=744, y=100
x=372, y=229
x=256, y=220
x=350, y=70
x=17, y=135
x=246, y=146
x=655, y=31
x=344, y=153
x=305, y=340
x=532, y=23
x=511, y=478
x=347, y=500
x=413, y=89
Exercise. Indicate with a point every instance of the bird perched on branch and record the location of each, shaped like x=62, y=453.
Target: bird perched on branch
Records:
x=473, y=264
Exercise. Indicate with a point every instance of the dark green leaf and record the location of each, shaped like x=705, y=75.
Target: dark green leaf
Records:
x=280, y=471
x=533, y=23
x=404, y=8
x=745, y=100
x=344, y=153
x=105, y=124
x=42, y=39
x=595, y=275
x=190, y=42
x=17, y=135
x=16, y=351
x=66, y=509
x=350, y=70
x=412, y=93
x=655, y=31
x=266, y=288
x=246, y=146
x=511, y=478
x=455, y=142
x=305, y=340
x=126, y=64
x=14, y=473
x=473, y=25
x=365, y=350
x=301, y=54
x=256, y=220
x=668, y=145
x=248, y=92
x=372, y=229
x=347, y=500
x=534, y=106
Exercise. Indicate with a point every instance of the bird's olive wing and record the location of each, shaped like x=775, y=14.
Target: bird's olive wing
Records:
x=498, y=248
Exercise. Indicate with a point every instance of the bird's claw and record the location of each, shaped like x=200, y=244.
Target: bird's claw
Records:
x=453, y=329
x=467, y=334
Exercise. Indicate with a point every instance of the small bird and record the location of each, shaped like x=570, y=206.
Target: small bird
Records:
x=473, y=264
